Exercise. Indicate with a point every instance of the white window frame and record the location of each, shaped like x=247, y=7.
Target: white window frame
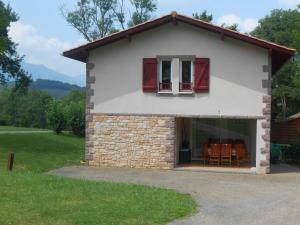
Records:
x=192, y=72
x=160, y=74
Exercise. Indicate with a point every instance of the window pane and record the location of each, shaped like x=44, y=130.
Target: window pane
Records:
x=166, y=71
x=186, y=71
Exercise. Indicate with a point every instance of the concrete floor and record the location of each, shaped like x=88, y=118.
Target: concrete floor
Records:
x=223, y=199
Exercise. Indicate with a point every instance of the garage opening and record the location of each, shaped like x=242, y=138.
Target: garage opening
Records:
x=216, y=143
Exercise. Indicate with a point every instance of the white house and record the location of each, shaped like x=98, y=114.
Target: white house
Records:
x=177, y=83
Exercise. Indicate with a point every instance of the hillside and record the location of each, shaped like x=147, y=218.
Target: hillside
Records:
x=55, y=89
x=45, y=73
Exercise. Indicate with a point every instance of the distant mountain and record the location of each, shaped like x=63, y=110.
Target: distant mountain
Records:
x=55, y=89
x=43, y=72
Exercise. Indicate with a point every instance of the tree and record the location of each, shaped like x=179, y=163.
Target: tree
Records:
x=97, y=18
x=57, y=116
x=26, y=109
x=143, y=10
x=203, y=16
x=92, y=18
x=76, y=118
x=233, y=27
x=283, y=27
x=10, y=61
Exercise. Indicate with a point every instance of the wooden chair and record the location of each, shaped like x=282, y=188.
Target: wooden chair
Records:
x=226, y=154
x=205, y=154
x=240, y=153
x=215, y=154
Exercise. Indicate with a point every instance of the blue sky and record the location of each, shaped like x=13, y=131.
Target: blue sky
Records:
x=43, y=34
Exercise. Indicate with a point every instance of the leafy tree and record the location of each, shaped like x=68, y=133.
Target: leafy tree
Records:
x=119, y=11
x=283, y=27
x=74, y=96
x=143, y=10
x=26, y=109
x=233, y=27
x=57, y=117
x=97, y=18
x=92, y=18
x=10, y=61
x=203, y=16
x=76, y=118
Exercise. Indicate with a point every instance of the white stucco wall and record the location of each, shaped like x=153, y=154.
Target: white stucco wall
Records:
x=235, y=74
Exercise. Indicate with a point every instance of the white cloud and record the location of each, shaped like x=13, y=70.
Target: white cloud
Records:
x=44, y=50
x=245, y=25
x=289, y=3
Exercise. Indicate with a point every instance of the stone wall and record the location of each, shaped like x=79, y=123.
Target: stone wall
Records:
x=264, y=165
x=131, y=141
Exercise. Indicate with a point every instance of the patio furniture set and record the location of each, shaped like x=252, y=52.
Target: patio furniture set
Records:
x=224, y=154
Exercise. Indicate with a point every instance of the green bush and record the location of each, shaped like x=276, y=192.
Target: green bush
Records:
x=76, y=118
x=57, y=117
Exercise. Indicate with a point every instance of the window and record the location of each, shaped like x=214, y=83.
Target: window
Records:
x=165, y=83
x=186, y=68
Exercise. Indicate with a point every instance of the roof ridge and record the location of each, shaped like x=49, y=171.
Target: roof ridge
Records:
x=281, y=53
x=174, y=14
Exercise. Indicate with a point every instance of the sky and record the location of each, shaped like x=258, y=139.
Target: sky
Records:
x=43, y=34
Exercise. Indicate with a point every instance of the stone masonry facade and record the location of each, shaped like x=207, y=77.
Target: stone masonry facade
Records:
x=134, y=141
x=266, y=126
x=264, y=164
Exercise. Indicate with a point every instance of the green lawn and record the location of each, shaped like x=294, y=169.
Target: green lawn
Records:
x=10, y=128
x=41, y=152
x=28, y=196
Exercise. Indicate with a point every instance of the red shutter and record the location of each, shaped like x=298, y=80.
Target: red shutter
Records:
x=201, y=77
x=150, y=75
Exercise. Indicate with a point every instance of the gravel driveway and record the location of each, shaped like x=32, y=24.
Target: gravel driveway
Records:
x=223, y=199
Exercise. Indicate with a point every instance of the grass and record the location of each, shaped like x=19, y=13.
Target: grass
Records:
x=10, y=128
x=41, y=152
x=28, y=196
x=39, y=200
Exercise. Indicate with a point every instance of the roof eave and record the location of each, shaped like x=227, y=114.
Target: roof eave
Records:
x=81, y=53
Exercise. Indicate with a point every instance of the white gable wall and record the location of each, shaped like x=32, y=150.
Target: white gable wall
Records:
x=235, y=74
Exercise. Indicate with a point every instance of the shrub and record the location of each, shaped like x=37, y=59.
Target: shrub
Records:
x=56, y=117
x=76, y=118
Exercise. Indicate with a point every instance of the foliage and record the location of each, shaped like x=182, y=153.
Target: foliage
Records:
x=10, y=61
x=97, y=18
x=76, y=118
x=74, y=96
x=43, y=83
x=283, y=27
x=57, y=116
x=75, y=111
x=92, y=18
x=55, y=89
x=26, y=110
x=142, y=13
x=234, y=27
x=203, y=16
x=37, y=109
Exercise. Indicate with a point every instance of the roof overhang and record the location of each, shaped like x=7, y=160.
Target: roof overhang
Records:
x=279, y=54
